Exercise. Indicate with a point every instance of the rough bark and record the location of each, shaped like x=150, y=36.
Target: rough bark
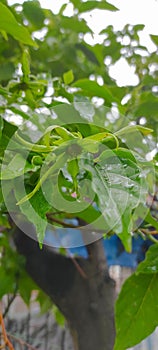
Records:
x=86, y=299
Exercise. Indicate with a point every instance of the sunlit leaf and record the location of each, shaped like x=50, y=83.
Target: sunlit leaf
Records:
x=68, y=77
x=9, y=24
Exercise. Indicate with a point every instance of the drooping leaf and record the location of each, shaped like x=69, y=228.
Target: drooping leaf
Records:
x=136, y=310
x=35, y=210
x=100, y=186
x=126, y=187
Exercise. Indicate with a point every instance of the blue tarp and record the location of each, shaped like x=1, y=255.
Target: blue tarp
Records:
x=114, y=250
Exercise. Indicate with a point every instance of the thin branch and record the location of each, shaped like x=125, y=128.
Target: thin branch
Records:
x=60, y=222
x=78, y=267
x=4, y=335
x=10, y=301
x=149, y=232
x=21, y=342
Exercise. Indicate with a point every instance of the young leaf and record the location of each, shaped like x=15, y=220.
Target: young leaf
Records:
x=68, y=77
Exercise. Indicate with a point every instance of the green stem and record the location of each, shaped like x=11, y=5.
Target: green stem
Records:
x=34, y=147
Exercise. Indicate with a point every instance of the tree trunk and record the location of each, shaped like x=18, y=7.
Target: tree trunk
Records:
x=81, y=288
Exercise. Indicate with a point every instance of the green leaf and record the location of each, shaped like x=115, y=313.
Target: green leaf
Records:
x=44, y=301
x=73, y=168
x=64, y=133
x=133, y=128
x=9, y=24
x=152, y=221
x=26, y=285
x=7, y=282
x=125, y=154
x=150, y=264
x=122, y=176
x=100, y=136
x=138, y=27
x=26, y=65
x=59, y=317
x=35, y=210
x=16, y=167
x=1, y=126
x=16, y=109
x=68, y=77
x=154, y=38
x=88, y=52
x=53, y=169
x=6, y=71
x=75, y=25
x=4, y=221
x=92, y=88
x=136, y=310
x=90, y=5
x=34, y=13
x=100, y=186
x=125, y=235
